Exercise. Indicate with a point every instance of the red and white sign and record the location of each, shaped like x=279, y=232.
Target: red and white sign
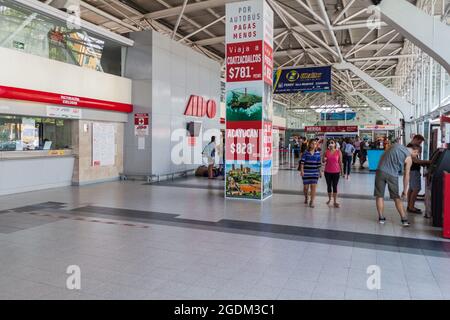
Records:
x=244, y=22
x=268, y=64
x=331, y=128
x=249, y=58
x=62, y=99
x=244, y=61
x=199, y=107
x=249, y=38
x=267, y=142
x=141, y=124
x=243, y=140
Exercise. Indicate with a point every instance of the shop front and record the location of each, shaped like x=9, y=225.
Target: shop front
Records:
x=374, y=132
x=328, y=132
x=62, y=106
x=46, y=146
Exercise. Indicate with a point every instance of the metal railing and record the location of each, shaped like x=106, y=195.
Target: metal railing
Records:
x=156, y=177
x=287, y=157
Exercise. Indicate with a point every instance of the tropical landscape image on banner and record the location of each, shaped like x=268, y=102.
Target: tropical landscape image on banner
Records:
x=243, y=179
x=244, y=104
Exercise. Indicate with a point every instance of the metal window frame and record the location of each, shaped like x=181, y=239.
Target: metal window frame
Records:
x=52, y=12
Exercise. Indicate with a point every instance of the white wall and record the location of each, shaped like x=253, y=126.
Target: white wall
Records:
x=28, y=71
x=279, y=121
x=177, y=73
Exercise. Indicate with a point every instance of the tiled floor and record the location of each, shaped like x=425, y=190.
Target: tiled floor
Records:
x=184, y=241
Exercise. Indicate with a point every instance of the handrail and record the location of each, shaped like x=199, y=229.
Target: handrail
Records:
x=156, y=177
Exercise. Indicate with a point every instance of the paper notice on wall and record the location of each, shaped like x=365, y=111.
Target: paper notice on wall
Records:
x=103, y=144
x=141, y=143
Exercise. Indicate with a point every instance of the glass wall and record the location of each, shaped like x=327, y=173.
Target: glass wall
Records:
x=422, y=81
x=279, y=109
x=29, y=133
x=29, y=32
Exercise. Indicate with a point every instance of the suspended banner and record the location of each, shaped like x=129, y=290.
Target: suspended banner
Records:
x=337, y=115
x=313, y=79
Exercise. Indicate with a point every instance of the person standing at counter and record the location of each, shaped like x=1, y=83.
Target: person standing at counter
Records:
x=416, y=176
x=393, y=161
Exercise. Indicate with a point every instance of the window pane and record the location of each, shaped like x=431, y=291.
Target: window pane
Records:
x=27, y=133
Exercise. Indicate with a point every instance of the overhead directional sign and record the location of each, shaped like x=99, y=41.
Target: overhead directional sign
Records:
x=313, y=79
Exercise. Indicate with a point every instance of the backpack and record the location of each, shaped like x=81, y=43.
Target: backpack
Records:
x=213, y=151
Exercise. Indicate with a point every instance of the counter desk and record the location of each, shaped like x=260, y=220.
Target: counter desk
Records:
x=23, y=171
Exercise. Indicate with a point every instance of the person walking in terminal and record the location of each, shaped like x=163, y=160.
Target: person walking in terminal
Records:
x=364, y=146
x=348, y=151
x=393, y=161
x=357, y=154
x=333, y=168
x=310, y=165
x=210, y=153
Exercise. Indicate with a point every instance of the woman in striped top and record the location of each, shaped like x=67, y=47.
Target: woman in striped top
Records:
x=310, y=165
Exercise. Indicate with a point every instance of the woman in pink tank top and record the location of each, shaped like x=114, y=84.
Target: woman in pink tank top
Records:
x=333, y=168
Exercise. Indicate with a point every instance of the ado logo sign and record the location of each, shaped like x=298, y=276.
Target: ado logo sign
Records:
x=200, y=107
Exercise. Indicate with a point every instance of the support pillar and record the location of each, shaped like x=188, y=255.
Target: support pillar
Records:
x=249, y=68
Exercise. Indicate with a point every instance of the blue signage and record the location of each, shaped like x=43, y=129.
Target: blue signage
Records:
x=337, y=115
x=313, y=79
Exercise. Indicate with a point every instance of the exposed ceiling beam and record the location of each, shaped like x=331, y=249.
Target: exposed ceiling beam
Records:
x=310, y=27
x=397, y=56
x=175, y=29
x=175, y=11
x=108, y=16
x=372, y=47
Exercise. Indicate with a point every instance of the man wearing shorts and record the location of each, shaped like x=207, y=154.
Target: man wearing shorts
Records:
x=392, y=163
x=415, y=176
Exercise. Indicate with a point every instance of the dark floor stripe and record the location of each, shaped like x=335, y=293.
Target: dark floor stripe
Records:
x=345, y=238
x=275, y=191
x=352, y=172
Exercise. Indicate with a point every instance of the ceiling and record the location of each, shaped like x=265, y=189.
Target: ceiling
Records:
x=307, y=32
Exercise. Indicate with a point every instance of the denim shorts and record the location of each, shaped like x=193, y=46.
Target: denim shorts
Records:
x=415, y=180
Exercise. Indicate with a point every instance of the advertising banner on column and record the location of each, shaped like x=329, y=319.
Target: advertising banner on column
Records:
x=248, y=100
